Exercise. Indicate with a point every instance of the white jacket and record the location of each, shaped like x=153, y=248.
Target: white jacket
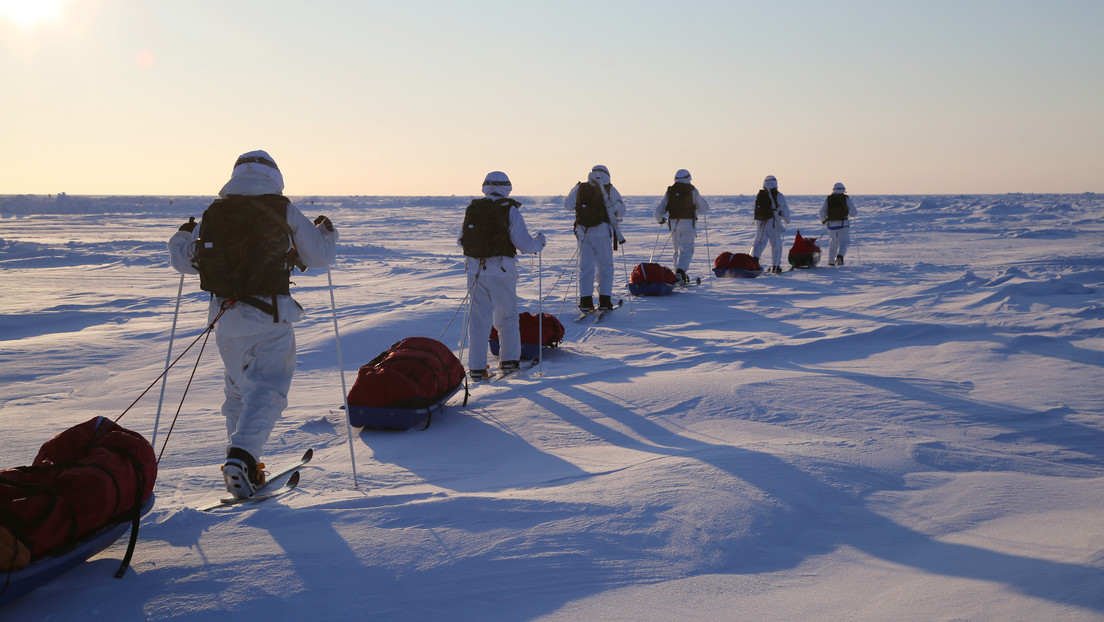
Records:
x=317, y=248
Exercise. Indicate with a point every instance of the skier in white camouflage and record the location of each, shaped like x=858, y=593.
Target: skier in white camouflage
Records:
x=598, y=209
x=254, y=333
x=835, y=214
x=492, y=234
x=772, y=214
x=679, y=208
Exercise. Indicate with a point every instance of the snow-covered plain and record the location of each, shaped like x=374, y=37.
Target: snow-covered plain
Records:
x=914, y=436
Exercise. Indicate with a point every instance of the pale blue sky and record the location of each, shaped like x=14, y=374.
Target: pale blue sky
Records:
x=425, y=97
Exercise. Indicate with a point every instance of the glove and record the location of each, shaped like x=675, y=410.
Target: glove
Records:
x=325, y=222
x=662, y=220
x=543, y=242
x=190, y=225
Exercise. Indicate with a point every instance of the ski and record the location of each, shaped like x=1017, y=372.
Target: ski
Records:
x=585, y=314
x=266, y=493
x=262, y=493
x=604, y=312
x=691, y=283
x=502, y=375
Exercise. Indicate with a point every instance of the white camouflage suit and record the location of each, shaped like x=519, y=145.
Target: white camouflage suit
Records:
x=492, y=284
x=596, y=243
x=258, y=354
x=771, y=230
x=683, y=230
x=839, y=231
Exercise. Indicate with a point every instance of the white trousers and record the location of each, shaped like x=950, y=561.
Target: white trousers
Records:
x=682, y=242
x=838, y=242
x=769, y=231
x=595, y=256
x=493, y=302
x=258, y=370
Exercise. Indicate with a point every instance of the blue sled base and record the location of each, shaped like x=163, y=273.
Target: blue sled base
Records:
x=736, y=273
x=398, y=418
x=46, y=569
x=651, y=289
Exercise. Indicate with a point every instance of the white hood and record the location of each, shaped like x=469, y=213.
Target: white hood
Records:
x=599, y=175
x=497, y=184
x=255, y=173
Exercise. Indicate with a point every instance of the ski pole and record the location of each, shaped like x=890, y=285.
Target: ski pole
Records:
x=168, y=361
x=705, y=220
x=659, y=231
x=858, y=256
x=540, y=309
x=628, y=277
x=341, y=367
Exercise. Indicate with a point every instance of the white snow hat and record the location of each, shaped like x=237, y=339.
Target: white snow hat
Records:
x=838, y=188
x=255, y=173
x=769, y=182
x=599, y=174
x=683, y=176
x=496, y=183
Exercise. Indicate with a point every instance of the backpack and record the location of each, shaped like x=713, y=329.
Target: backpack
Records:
x=590, y=206
x=245, y=251
x=837, y=207
x=486, y=231
x=764, y=205
x=680, y=202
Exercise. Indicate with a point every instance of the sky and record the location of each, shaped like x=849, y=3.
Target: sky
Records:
x=361, y=97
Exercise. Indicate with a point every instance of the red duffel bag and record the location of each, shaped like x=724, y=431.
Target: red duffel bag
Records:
x=652, y=273
x=549, y=330
x=741, y=261
x=89, y=476
x=414, y=373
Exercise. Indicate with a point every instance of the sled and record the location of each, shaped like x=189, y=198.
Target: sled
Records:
x=652, y=279
x=529, y=351
x=804, y=253
x=736, y=266
x=392, y=418
x=404, y=386
x=736, y=273
x=550, y=329
x=46, y=569
x=651, y=289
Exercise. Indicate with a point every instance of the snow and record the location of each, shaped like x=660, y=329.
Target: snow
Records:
x=916, y=435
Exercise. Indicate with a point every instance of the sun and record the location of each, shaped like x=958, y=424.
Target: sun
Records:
x=27, y=13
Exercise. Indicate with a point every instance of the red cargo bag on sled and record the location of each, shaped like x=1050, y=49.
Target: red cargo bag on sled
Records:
x=85, y=488
x=736, y=266
x=651, y=279
x=549, y=332
x=804, y=253
x=405, y=385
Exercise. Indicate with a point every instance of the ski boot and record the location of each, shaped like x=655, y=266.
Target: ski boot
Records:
x=243, y=474
x=586, y=304
x=479, y=374
x=604, y=303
